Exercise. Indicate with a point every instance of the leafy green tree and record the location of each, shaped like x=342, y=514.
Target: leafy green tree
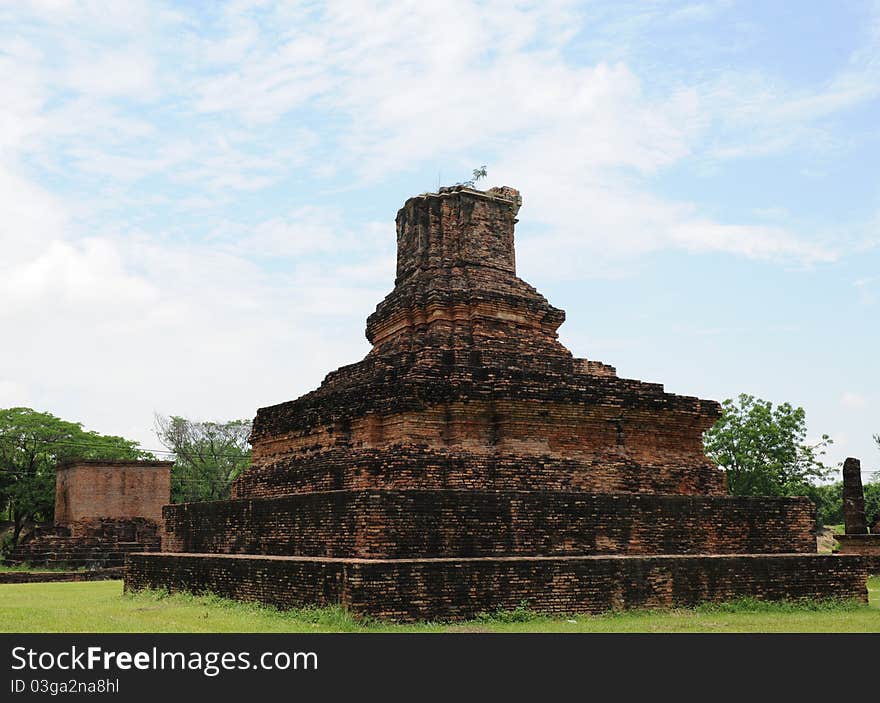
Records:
x=762, y=448
x=872, y=501
x=208, y=456
x=31, y=444
x=828, y=498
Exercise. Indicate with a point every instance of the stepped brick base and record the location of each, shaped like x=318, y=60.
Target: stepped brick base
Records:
x=449, y=589
x=451, y=523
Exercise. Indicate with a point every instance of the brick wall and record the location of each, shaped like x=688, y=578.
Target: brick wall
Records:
x=413, y=467
x=54, y=576
x=405, y=524
x=111, y=489
x=93, y=543
x=461, y=588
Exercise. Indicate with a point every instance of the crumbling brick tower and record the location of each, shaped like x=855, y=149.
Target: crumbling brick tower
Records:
x=470, y=462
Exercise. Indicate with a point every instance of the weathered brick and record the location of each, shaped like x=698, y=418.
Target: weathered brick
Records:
x=445, y=523
x=414, y=589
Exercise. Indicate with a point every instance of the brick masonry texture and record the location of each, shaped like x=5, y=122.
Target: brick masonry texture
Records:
x=95, y=543
x=459, y=588
x=470, y=462
x=408, y=524
x=111, y=489
x=854, y=518
x=868, y=546
x=411, y=467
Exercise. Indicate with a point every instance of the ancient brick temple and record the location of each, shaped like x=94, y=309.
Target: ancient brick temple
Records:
x=103, y=511
x=470, y=462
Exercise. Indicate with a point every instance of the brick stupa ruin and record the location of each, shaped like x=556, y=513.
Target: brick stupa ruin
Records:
x=470, y=462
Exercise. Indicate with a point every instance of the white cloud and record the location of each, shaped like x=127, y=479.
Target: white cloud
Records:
x=14, y=394
x=119, y=121
x=114, y=74
x=855, y=401
x=312, y=230
x=422, y=83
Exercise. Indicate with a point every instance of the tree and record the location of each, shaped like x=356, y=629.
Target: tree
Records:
x=872, y=501
x=208, y=456
x=31, y=444
x=762, y=448
x=828, y=498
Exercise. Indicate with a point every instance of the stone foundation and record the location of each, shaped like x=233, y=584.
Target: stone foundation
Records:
x=418, y=589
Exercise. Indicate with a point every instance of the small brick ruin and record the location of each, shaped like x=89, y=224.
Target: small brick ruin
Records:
x=470, y=462
x=103, y=511
x=856, y=538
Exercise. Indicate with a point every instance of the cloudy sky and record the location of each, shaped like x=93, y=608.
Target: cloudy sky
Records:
x=198, y=199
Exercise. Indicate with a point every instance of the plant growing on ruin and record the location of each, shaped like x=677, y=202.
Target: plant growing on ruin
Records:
x=478, y=173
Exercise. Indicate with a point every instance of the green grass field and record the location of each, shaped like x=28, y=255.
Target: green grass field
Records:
x=102, y=607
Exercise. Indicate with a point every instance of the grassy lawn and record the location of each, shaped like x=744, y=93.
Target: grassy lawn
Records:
x=102, y=607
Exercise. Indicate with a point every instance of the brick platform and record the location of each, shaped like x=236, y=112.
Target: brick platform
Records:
x=408, y=524
x=418, y=589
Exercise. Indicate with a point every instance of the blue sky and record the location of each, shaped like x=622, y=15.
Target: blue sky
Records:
x=199, y=198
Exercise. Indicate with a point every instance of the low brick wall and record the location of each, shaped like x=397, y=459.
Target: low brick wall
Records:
x=285, y=582
x=409, y=524
x=93, y=544
x=47, y=576
x=866, y=545
x=460, y=588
